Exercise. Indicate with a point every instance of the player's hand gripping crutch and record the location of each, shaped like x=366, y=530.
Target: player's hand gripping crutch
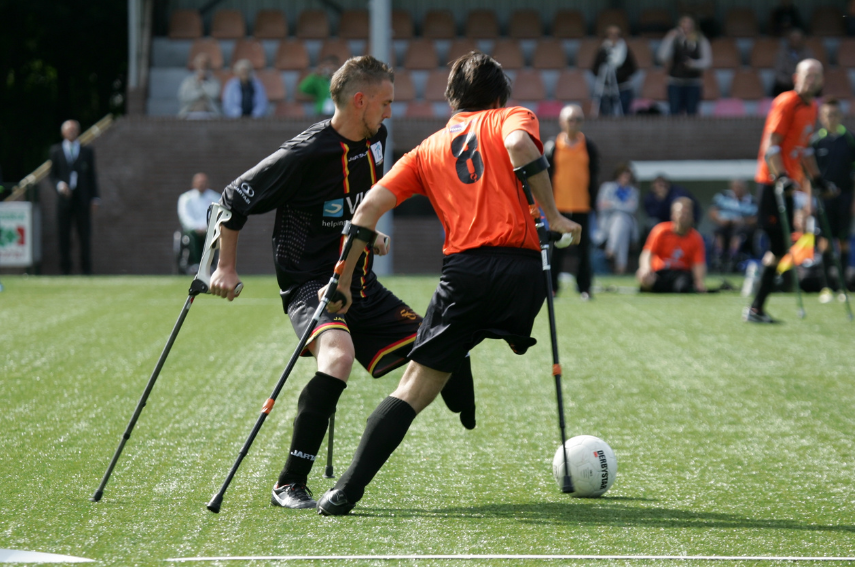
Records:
x=331, y=295
x=523, y=173
x=826, y=229
x=200, y=284
x=783, y=184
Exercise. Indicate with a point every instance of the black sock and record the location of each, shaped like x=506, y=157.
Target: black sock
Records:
x=459, y=393
x=385, y=430
x=316, y=404
x=767, y=283
x=827, y=263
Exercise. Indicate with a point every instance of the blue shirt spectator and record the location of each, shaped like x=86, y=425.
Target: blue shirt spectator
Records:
x=657, y=203
x=244, y=95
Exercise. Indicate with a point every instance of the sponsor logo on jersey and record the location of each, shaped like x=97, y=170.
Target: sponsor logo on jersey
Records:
x=246, y=191
x=354, y=203
x=357, y=156
x=377, y=152
x=334, y=208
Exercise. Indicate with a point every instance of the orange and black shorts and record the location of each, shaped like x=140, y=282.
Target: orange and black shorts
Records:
x=381, y=326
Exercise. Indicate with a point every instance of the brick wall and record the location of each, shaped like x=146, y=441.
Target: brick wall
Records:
x=144, y=164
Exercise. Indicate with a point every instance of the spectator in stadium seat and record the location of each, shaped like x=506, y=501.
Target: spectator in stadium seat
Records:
x=734, y=213
x=317, y=85
x=791, y=53
x=575, y=165
x=200, y=91
x=686, y=53
x=193, y=214
x=785, y=18
x=657, y=203
x=244, y=94
x=672, y=260
x=617, y=229
x=615, y=54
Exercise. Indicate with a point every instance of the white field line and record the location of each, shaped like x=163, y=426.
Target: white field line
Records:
x=515, y=557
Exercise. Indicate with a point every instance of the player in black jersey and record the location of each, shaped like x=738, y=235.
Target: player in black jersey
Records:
x=315, y=181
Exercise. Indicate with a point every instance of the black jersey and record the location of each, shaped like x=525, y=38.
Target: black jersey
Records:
x=315, y=181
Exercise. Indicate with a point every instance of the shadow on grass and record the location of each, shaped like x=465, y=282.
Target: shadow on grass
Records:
x=605, y=512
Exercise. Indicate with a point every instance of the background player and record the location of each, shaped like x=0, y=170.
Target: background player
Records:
x=315, y=181
x=673, y=259
x=490, y=285
x=784, y=158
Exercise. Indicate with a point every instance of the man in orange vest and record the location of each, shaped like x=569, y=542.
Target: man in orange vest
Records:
x=574, y=166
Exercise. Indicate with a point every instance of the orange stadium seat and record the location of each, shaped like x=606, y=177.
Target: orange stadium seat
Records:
x=728, y=107
x=747, y=85
x=435, y=87
x=740, y=22
x=353, y=24
x=710, y=88
x=569, y=24
x=223, y=75
x=209, y=46
x=402, y=24
x=228, y=24
x=725, y=53
x=313, y=24
x=285, y=109
x=611, y=17
x=827, y=21
x=837, y=84
x=405, y=91
x=509, y=54
x=655, y=85
x=655, y=22
x=572, y=86
x=460, y=46
x=273, y=85
x=528, y=86
x=185, y=24
x=818, y=47
x=252, y=50
x=764, y=52
x=846, y=52
x=270, y=24
x=421, y=54
x=549, y=109
x=482, y=24
x=337, y=47
x=525, y=24
x=419, y=109
x=439, y=24
x=640, y=48
x=291, y=56
x=587, y=52
x=549, y=54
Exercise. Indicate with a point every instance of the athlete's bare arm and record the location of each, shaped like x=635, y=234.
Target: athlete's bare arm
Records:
x=225, y=277
x=774, y=160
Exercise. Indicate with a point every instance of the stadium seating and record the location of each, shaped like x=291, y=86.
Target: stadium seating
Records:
x=335, y=47
x=509, y=54
x=313, y=24
x=654, y=23
x=549, y=54
x=250, y=49
x=525, y=24
x=209, y=46
x=482, y=24
x=402, y=25
x=640, y=48
x=837, y=83
x=528, y=86
x=846, y=52
x=740, y=22
x=228, y=24
x=405, y=91
x=439, y=24
x=460, y=46
x=435, y=87
x=270, y=24
x=725, y=54
x=291, y=56
x=827, y=21
x=569, y=24
x=421, y=54
x=572, y=86
x=729, y=107
x=185, y=24
x=353, y=24
x=611, y=17
x=764, y=51
x=273, y=85
x=289, y=109
x=746, y=85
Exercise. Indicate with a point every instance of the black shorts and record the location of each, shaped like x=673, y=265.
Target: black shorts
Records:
x=673, y=281
x=381, y=326
x=769, y=220
x=838, y=209
x=485, y=293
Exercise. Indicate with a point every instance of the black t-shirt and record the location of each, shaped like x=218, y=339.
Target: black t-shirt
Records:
x=835, y=156
x=315, y=181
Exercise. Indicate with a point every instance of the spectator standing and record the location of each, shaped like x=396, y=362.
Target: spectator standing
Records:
x=244, y=95
x=617, y=229
x=784, y=18
x=72, y=173
x=834, y=148
x=200, y=91
x=792, y=52
x=672, y=260
x=575, y=165
x=663, y=193
x=317, y=85
x=614, y=55
x=193, y=214
x=734, y=213
x=686, y=53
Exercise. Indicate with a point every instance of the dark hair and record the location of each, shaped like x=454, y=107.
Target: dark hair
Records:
x=356, y=74
x=831, y=101
x=624, y=168
x=477, y=81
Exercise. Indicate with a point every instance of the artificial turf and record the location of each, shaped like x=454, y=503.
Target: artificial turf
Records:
x=731, y=439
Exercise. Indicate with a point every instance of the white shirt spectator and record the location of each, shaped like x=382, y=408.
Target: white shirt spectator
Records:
x=193, y=208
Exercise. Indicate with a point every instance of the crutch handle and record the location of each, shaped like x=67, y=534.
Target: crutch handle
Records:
x=561, y=240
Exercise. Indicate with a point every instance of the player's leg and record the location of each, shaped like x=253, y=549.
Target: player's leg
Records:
x=583, y=271
x=769, y=222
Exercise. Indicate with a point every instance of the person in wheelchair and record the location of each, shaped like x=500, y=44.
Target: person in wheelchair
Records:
x=193, y=215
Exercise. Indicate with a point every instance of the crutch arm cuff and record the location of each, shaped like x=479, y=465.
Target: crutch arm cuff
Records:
x=532, y=168
x=359, y=232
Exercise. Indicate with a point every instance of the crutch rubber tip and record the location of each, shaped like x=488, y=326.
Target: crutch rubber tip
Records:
x=801, y=313
x=97, y=496
x=328, y=472
x=215, y=503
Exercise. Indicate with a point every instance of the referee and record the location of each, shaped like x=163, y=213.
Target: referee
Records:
x=491, y=285
x=785, y=157
x=315, y=181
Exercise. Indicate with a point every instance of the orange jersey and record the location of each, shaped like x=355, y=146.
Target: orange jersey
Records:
x=672, y=251
x=791, y=118
x=465, y=171
x=571, y=175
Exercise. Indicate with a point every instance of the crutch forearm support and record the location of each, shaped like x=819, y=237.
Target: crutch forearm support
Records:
x=217, y=215
x=523, y=173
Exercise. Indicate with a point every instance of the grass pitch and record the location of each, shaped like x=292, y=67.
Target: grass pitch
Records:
x=731, y=440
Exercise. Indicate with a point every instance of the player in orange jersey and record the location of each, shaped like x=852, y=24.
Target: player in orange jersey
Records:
x=489, y=286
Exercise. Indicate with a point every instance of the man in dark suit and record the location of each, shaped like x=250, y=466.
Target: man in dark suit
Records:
x=72, y=173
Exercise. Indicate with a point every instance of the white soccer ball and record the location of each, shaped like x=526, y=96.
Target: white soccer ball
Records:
x=593, y=466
